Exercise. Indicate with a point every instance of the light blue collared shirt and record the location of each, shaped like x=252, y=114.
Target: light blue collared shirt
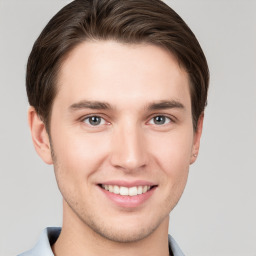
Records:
x=50, y=235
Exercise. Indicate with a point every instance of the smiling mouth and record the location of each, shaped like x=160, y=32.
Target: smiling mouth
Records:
x=125, y=191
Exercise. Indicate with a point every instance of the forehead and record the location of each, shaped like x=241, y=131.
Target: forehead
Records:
x=117, y=73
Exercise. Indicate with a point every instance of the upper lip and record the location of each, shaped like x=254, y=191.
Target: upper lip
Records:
x=128, y=184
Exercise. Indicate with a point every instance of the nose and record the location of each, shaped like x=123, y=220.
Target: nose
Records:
x=129, y=151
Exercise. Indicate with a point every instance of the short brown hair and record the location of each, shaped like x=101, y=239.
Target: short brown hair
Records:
x=126, y=21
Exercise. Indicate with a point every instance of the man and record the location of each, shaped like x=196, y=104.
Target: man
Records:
x=117, y=90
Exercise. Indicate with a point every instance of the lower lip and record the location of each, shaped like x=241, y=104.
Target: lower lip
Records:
x=128, y=201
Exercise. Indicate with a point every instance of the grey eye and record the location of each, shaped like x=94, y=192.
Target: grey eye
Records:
x=160, y=120
x=94, y=120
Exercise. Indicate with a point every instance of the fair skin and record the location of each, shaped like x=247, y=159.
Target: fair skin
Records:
x=122, y=117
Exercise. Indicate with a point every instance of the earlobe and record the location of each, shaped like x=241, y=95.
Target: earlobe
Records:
x=197, y=137
x=39, y=136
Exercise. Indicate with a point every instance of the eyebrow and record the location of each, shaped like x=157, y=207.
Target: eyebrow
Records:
x=169, y=104
x=90, y=104
x=98, y=105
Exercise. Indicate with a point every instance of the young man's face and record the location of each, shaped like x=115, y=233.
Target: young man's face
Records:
x=121, y=121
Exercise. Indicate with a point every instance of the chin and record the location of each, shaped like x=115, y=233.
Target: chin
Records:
x=124, y=235
x=127, y=232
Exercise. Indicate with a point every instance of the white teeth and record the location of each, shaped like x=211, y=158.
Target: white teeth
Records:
x=125, y=191
x=111, y=188
x=133, y=191
x=116, y=189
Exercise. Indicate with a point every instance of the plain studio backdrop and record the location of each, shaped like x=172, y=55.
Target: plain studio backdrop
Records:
x=217, y=213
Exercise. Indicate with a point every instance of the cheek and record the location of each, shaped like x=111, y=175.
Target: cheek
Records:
x=78, y=156
x=174, y=152
x=172, y=156
x=174, y=159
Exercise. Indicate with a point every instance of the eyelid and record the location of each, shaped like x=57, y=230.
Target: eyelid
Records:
x=82, y=119
x=171, y=117
x=151, y=121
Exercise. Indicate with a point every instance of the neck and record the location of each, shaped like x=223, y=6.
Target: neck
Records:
x=77, y=238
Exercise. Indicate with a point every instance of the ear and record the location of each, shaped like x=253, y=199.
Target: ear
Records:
x=197, y=137
x=40, y=136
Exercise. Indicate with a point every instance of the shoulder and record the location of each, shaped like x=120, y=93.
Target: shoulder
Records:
x=174, y=248
x=43, y=246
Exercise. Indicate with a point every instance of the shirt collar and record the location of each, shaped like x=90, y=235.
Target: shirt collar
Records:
x=51, y=234
x=43, y=246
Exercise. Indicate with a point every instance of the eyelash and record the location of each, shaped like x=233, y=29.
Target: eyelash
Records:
x=87, y=120
x=94, y=116
x=161, y=116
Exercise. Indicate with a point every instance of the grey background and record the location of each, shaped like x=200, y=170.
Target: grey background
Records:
x=217, y=214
